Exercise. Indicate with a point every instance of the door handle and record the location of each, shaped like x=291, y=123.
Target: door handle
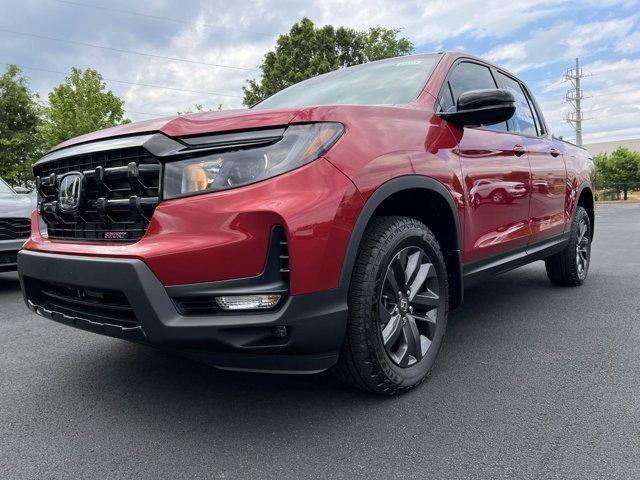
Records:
x=519, y=150
x=554, y=152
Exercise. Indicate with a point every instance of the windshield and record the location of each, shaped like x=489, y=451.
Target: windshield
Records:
x=4, y=188
x=386, y=82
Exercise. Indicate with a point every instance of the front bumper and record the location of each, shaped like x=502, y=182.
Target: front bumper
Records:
x=315, y=322
x=221, y=235
x=8, y=253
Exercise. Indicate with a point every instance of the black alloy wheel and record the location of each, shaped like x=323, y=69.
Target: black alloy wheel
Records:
x=583, y=248
x=398, y=307
x=570, y=266
x=408, y=307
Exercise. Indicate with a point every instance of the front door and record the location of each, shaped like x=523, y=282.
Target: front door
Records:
x=495, y=168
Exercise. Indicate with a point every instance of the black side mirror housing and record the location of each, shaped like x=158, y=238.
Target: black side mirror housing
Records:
x=482, y=107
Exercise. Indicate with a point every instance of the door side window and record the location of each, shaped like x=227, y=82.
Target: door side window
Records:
x=447, y=104
x=468, y=76
x=523, y=120
x=536, y=114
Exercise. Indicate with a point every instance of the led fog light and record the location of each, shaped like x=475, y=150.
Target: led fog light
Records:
x=248, y=302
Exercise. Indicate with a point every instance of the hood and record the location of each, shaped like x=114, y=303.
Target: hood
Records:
x=193, y=124
x=17, y=205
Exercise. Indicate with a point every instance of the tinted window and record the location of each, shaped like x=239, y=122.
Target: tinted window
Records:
x=387, y=82
x=447, y=104
x=536, y=116
x=470, y=76
x=522, y=121
x=4, y=188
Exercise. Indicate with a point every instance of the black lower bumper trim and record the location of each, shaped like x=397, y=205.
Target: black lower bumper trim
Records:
x=133, y=334
x=8, y=260
x=315, y=322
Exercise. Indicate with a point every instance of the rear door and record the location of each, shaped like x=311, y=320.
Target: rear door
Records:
x=496, y=174
x=548, y=172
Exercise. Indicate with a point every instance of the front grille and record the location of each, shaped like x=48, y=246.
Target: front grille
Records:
x=120, y=190
x=14, y=228
x=109, y=307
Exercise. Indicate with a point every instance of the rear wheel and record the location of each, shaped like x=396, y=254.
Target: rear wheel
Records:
x=570, y=266
x=398, y=301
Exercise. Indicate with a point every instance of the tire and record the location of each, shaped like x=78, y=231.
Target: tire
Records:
x=414, y=327
x=499, y=196
x=569, y=267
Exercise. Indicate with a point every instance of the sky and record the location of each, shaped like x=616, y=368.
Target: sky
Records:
x=203, y=51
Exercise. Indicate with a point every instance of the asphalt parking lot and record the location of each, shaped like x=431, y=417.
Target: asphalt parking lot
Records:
x=533, y=381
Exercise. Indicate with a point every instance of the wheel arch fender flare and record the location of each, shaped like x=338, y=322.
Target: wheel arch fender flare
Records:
x=386, y=190
x=584, y=186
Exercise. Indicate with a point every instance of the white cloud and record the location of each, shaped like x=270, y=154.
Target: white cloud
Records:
x=240, y=33
x=427, y=21
x=508, y=52
x=630, y=43
x=422, y=21
x=247, y=30
x=563, y=41
x=611, y=106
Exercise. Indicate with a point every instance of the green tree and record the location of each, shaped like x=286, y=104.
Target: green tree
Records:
x=20, y=143
x=81, y=105
x=307, y=51
x=620, y=169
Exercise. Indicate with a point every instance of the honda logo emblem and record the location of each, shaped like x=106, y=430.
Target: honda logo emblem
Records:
x=70, y=192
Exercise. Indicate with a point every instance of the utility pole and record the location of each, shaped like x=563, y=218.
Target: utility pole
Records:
x=575, y=96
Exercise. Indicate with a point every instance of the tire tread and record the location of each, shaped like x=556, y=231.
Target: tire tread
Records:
x=357, y=364
x=561, y=267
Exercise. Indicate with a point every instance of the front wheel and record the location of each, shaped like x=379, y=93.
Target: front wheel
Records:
x=570, y=266
x=398, y=307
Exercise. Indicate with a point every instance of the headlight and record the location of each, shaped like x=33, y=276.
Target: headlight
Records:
x=299, y=145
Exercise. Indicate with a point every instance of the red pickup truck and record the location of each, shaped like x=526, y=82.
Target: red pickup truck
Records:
x=333, y=225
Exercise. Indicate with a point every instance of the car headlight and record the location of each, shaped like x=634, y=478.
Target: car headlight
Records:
x=299, y=145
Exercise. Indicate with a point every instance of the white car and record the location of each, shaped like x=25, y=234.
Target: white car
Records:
x=15, y=222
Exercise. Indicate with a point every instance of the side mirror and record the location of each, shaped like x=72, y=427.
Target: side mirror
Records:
x=21, y=190
x=482, y=107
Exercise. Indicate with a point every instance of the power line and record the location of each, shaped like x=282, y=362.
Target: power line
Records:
x=146, y=15
x=131, y=52
x=131, y=12
x=614, y=71
x=616, y=115
x=622, y=114
x=157, y=115
x=591, y=75
x=606, y=94
x=126, y=82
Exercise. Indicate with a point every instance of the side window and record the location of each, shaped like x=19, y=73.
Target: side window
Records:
x=465, y=77
x=447, y=104
x=536, y=115
x=470, y=76
x=523, y=120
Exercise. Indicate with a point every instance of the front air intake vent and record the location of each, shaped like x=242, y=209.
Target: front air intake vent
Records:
x=109, y=307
